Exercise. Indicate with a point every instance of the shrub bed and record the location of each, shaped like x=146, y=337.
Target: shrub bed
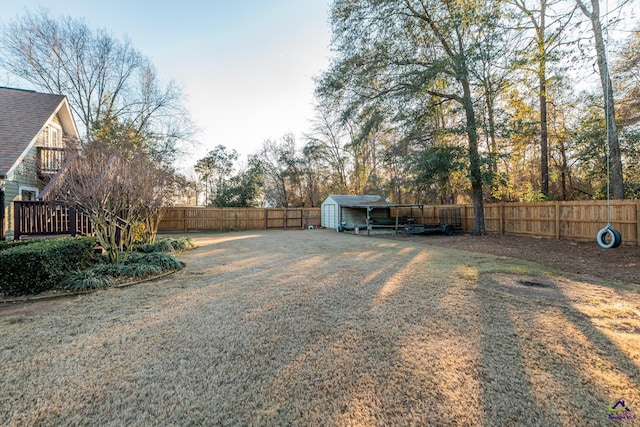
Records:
x=166, y=245
x=41, y=265
x=146, y=261
x=35, y=266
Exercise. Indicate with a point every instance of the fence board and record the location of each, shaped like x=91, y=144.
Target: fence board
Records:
x=561, y=220
x=276, y=218
x=187, y=219
x=580, y=220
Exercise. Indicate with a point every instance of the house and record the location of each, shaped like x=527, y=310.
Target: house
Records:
x=35, y=132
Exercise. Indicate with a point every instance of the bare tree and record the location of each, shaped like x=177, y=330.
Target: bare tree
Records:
x=328, y=137
x=548, y=26
x=280, y=165
x=593, y=14
x=118, y=194
x=100, y=75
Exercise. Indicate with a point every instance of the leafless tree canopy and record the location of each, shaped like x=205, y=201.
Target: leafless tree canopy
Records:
x=120, y=195
x=101, y=75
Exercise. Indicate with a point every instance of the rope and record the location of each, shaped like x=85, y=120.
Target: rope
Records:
x=615, y=237
x=606, y=115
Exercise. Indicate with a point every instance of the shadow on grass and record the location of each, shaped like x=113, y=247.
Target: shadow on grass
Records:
x=543, y=360
x=313, y=328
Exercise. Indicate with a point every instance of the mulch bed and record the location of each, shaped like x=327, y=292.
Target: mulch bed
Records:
x=620, y=265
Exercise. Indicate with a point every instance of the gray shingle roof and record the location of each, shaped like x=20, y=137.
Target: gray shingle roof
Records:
x=22, y=115
x=349, y=200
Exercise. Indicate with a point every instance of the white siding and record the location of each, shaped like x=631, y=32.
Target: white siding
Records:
x=10, y=194
x=330, y=214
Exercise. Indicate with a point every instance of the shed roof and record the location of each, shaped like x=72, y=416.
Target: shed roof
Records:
x=368, y=201
x=23, y=114
x=350, y=200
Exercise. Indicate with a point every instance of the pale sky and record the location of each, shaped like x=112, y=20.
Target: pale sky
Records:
x=247, y=66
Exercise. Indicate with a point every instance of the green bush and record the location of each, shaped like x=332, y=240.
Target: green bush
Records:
x=141, y=270
x=42, y=265
x=109, y=269
x=69, y=263
x=183, y=244
x=162, y=260
x=147, y=248
x=135, y=257
x=117, y=271
x=81, y=281
x=166, y=245
x=8, y=244
x=137, y=265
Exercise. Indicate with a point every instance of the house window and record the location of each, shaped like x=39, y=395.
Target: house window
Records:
x=53, y=136
x=27, y=195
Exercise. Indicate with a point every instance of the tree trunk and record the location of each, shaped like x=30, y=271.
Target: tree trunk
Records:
x=475, y=172
x=542, y=76
x=544, y=133
x=615, y=155
x=565, y=169
x=493, y=144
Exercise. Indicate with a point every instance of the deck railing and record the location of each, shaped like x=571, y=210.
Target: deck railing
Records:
x=48, y=218
x=50, y=160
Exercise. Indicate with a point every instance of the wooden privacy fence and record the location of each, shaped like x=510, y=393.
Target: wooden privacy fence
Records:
x=187, y=219
x=559, y=220
x=579, y=220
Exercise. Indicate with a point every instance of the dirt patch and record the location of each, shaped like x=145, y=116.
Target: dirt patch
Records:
x=620, y=265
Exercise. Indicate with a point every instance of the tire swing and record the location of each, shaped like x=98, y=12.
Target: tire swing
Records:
x=608, y=237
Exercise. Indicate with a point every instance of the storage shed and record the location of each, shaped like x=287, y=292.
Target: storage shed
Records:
x=345, y=212
x=351, y=209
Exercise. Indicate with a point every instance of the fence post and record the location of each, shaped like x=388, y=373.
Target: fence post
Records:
x=638, y=223
x=557, y=204
x=72, y=220
x=17, y=225
x=184, y=220
x=266, y=218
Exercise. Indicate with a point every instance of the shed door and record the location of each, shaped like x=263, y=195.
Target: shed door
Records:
x=329, y=219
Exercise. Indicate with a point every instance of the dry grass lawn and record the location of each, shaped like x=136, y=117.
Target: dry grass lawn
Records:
x=319, y=328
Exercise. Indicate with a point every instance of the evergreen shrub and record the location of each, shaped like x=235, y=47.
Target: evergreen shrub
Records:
x=42, y=265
